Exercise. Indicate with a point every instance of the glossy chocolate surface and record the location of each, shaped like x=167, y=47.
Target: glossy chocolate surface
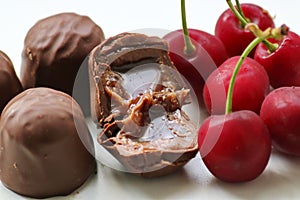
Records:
x=137, y=96
x=9, y=82
x=41, y=153
x=54, y=49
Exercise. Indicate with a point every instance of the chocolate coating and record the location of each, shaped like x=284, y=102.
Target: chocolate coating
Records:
x=10, y=84
x=41, y=153
x=54, y=49
x=143, y=124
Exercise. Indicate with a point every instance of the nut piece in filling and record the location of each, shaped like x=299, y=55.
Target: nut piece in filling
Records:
x=137, y=97
x=54, y=49
x=9, y=82
x=41, y=154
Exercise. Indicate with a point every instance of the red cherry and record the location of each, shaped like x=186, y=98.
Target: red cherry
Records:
x=281, y=113
x=196, y=67
x=209, y=42
x=195, y=53
x=229, y=29
x=282, y=65
x=250, y=89
x=235, y=147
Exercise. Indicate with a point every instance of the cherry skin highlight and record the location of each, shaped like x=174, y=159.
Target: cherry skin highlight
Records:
x=196, y=67
x=235, y=147
x=250, y=89
x=281, y=113
x=233, y=35
x=282, y=65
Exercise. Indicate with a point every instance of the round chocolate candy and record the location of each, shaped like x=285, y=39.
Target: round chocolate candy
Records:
x=54, y=49
x=41, y=152
x=9, y=82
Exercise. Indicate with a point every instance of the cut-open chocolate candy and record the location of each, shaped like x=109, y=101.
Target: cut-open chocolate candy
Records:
x=137, y=97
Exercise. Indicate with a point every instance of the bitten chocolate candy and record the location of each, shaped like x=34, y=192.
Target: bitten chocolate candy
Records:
x=54, y=49
x=41, y=153
x=9, y=82
x=136, y=96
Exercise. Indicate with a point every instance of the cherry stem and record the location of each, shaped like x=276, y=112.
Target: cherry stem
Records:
x=189, y=48
x=240, y=10
x=276, y=33
x=240, y=15
x=245, y=53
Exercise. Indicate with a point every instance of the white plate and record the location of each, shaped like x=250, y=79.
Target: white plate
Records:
x=281, y=179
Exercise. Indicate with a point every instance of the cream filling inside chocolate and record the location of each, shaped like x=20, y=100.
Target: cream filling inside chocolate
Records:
x=139, y=98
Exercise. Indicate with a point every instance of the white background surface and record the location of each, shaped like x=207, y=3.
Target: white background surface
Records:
x=281, y=180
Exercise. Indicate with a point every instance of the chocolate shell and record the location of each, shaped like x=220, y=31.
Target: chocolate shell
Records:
x=10, y=84
x=54, y=49
x=41, y=153
x=137, y=97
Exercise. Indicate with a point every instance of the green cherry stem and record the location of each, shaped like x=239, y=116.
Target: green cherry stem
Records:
x=240, y=15
x=246, y=52
x=189, y=48
x=239, y=8
x=261, y=36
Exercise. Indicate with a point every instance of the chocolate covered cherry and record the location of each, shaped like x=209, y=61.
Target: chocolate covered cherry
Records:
x=41, y=153
x=137, y=97
x=54, y=49
x=9, y=82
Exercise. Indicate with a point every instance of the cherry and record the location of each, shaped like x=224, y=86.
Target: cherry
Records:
x=251, y=75
x=231, y=30
x=236, y=146
x=281, y=113
x=205, y=40
x=282, y=65
x=195, y=53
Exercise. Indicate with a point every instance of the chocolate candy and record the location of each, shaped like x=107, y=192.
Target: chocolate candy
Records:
x=41, y=153
x=54, y=49
x=9, y=82
x=137, y=96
